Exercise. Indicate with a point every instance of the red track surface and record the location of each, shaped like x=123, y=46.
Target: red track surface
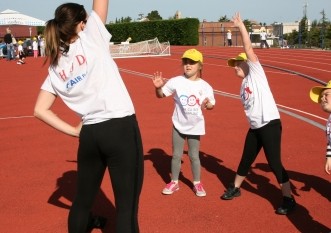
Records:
x=38, y=165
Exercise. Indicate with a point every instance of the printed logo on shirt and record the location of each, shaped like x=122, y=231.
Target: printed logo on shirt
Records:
x=246, y=97
x=77, y=63
x=74, y=73
x=191, y=104
x=74, y=81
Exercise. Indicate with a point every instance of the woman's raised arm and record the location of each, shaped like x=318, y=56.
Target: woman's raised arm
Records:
x=101, y=8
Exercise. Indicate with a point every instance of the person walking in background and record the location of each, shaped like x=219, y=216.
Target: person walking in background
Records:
x=264, y=120
x=192, y=95
x=35, y=47
x=263, y=37
x=84, y=75
x=8, y=39
x=322, y=95
x=229, y=37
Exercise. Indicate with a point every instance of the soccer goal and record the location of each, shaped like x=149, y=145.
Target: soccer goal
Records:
x=147, y=48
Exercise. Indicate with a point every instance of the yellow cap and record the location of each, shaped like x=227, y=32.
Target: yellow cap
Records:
x=315, y=92
x=193, y=54
x=240, y=57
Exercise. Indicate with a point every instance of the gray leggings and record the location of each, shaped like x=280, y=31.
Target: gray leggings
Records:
x=193, y=142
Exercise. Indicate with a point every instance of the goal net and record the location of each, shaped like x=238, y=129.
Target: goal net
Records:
x=147, y=48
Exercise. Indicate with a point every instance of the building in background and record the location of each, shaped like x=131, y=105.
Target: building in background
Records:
x=22, y=26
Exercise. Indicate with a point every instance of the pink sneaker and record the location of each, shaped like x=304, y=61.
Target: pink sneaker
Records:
x=199, y=191
x=170, y=188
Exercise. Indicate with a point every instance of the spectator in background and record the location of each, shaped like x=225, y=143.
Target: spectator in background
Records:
x=42, y=47
x=229, y=37
x=8, y=38
x=35, y=47
x=263, y=37
x=20, y=53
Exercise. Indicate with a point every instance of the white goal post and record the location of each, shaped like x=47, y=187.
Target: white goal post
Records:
x=147, y=48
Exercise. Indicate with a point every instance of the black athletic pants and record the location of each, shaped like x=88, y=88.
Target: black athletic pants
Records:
x=268, y=137
x=114, y=144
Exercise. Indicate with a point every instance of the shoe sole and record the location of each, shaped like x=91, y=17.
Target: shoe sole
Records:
x=285, y=213
x=169, y=192
x=201, y=195
x=230, y=198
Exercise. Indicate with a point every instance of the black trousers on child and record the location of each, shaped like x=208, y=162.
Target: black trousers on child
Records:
x=114, y=144
x=268, y=137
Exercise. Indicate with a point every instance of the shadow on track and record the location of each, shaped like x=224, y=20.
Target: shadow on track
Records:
x=66, y=190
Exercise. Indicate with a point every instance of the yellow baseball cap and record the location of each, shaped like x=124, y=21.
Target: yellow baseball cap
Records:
x=193, y=54
x=240, y=57
x=315, y=92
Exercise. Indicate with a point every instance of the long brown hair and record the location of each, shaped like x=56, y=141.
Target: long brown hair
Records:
x=60, y=30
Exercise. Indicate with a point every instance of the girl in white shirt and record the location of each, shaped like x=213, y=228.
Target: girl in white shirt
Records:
x=264, y=121
x=84, y=75
x=322, y=95
x=192, y=95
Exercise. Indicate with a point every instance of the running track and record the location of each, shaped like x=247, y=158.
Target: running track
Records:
x=38, y=164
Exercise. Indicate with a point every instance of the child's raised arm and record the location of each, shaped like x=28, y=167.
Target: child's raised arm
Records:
x=245, y=37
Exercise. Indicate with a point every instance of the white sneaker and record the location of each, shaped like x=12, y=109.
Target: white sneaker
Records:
x=199, y=190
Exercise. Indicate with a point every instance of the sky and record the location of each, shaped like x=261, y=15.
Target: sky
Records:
x=264, y=11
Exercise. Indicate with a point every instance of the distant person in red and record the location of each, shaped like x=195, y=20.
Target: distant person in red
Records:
x=264, y=120
x=322, y=95
x=35, y=47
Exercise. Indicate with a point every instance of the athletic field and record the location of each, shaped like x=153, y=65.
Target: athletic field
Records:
x=38, y=164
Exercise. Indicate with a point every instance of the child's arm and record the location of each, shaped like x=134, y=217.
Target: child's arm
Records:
x=206, y=104
x=245, y=37
x=328, y=165
x=158, y=82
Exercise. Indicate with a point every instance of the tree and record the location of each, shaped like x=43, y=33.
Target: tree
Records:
x=123, y=20
x=224, y=19
x=154, y=15
x=318, y=35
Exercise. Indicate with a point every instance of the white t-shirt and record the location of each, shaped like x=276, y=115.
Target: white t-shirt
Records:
x=87, y=78
x=263, y=36
x=20, y=48
x=35, y=45
x=328, y=136
x=188, y=95
x=256, y=97
x=229, y=35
